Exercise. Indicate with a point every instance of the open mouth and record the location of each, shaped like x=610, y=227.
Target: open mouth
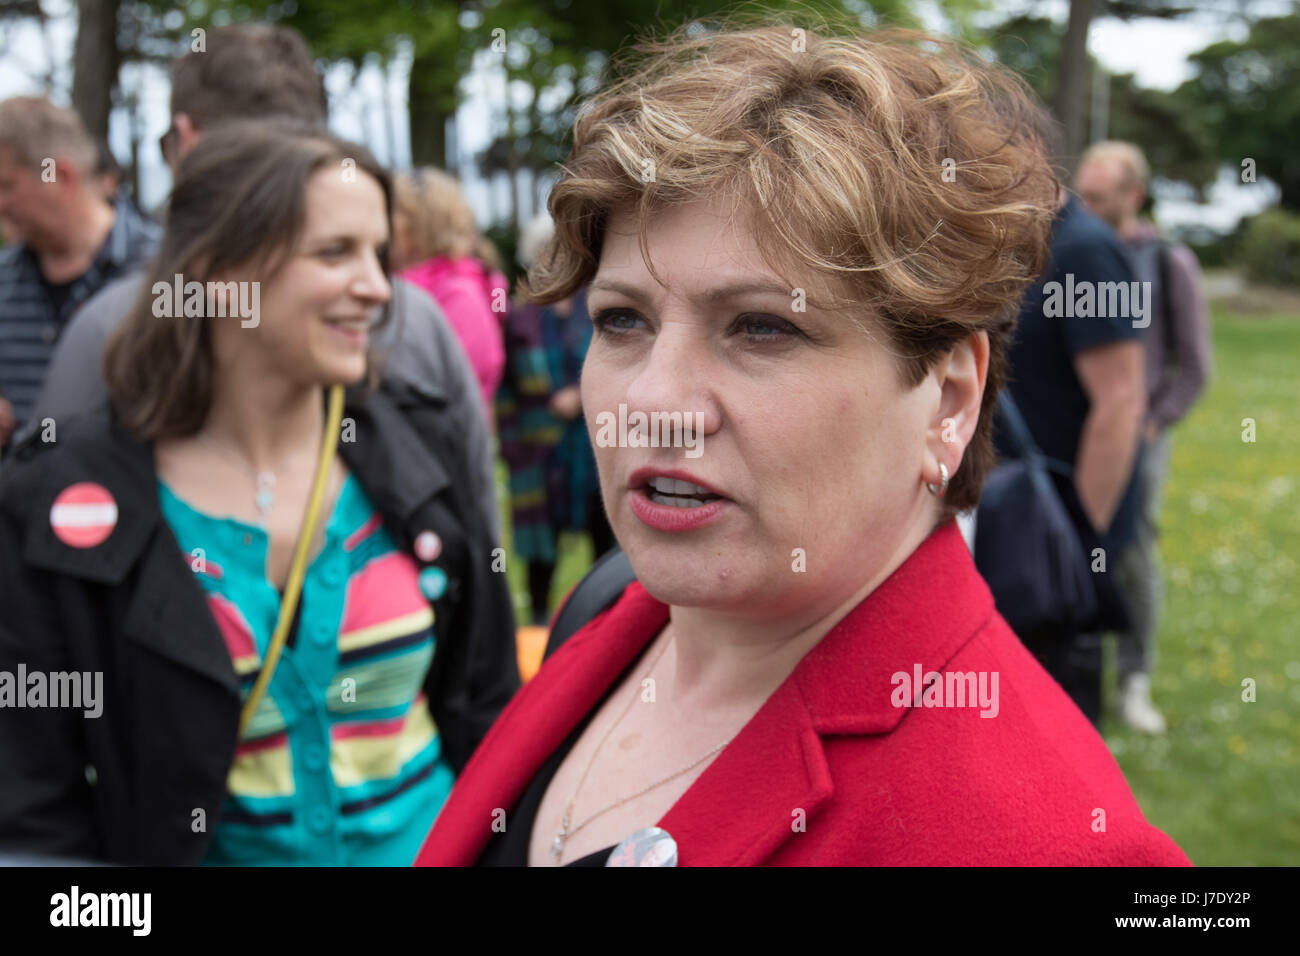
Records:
x=677, y=493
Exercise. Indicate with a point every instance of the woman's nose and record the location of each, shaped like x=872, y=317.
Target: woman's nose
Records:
x=677, y=375
x=372, y=282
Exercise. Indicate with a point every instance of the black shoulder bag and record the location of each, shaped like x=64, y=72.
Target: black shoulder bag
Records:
x=598, y=590
x=1026, y=544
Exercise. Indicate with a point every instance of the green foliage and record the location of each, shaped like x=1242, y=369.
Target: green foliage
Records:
x=1032, y=47
x=1175, y=141
x=1269, y=247
x=1215, y=252
x=563, y=50
x=1247, y=94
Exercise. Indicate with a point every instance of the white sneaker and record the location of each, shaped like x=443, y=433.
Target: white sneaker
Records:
x=1136, y=708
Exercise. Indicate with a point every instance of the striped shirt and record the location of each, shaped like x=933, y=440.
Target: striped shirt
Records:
x=341, y=763
x=33, y=312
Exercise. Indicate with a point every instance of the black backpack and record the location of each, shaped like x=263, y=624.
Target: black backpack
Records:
x=596, y=592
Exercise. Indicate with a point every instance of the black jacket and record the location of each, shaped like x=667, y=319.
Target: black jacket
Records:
x=126, y=786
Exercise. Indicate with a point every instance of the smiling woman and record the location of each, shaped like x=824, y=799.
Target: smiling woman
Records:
x=307, y=225
x=294, y=614
x=817, y=244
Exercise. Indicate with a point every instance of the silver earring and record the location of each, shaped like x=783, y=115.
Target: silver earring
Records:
x=940, y=489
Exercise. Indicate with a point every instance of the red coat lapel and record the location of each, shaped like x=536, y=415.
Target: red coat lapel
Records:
x=768, y=785
x=772, y=779
x=758, y=793
x=536, y=722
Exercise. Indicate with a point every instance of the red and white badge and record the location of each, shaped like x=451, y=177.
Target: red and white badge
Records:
x=83, y=515
x=428, y=546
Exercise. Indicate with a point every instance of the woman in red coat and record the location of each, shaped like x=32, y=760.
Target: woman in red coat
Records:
x=804, y=256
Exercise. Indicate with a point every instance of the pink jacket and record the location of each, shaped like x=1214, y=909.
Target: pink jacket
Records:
x=464, y=289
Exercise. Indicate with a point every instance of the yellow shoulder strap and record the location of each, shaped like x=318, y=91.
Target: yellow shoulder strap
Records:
x=297, y=570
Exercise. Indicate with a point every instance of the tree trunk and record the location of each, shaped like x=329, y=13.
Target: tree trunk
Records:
x=1074, y=77
x=1100, y=110
x=47, y=44
x=512, y=152
x=512, y=155
x=134, y=126
x=95, y=62
x=386, y=101
x=535, y=197
x=429, y=110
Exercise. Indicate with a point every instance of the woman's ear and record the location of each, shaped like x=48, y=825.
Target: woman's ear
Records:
x=961, y=376
x=187, y=134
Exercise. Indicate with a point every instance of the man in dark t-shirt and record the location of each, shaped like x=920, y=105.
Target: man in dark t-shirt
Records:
x=1077, y=375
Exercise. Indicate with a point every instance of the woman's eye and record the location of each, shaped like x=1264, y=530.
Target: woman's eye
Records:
x=615, y=321
x=334, y=251
x=765, y=328
x=756, y=328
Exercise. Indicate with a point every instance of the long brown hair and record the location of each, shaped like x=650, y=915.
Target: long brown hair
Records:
x=238, y=203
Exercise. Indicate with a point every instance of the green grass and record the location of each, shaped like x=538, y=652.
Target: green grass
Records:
x=1225, y=781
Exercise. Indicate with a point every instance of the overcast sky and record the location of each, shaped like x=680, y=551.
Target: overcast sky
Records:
x=1155, y=50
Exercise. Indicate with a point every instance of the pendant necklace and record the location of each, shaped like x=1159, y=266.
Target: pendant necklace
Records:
x=265, y=498
x=567, y=829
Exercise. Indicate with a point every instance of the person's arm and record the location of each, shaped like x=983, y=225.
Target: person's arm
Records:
x=1191, y=340
x=1113, y=377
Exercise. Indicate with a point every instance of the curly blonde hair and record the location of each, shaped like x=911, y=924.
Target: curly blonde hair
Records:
x=903, y=168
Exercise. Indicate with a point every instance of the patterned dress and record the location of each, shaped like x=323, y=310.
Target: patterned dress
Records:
x=552, y=468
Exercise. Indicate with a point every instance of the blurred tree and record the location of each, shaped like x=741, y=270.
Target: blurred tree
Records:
x=1032, y=47
x=1176, y=140
x=16, y=9
x=1074, y=76
x=1173, y=135
x=21, y=10
x=554, y=52
x=1247, y=94
x=95, y=62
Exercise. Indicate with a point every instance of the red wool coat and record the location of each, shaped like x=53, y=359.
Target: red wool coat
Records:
x=833, y=770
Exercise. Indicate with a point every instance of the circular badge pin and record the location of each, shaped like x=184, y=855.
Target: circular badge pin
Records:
x=433, y=583
x=83, y=515
x=650, y=847
x=428, y=546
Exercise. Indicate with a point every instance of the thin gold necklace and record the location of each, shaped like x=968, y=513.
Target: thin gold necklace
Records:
x=564, y=834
